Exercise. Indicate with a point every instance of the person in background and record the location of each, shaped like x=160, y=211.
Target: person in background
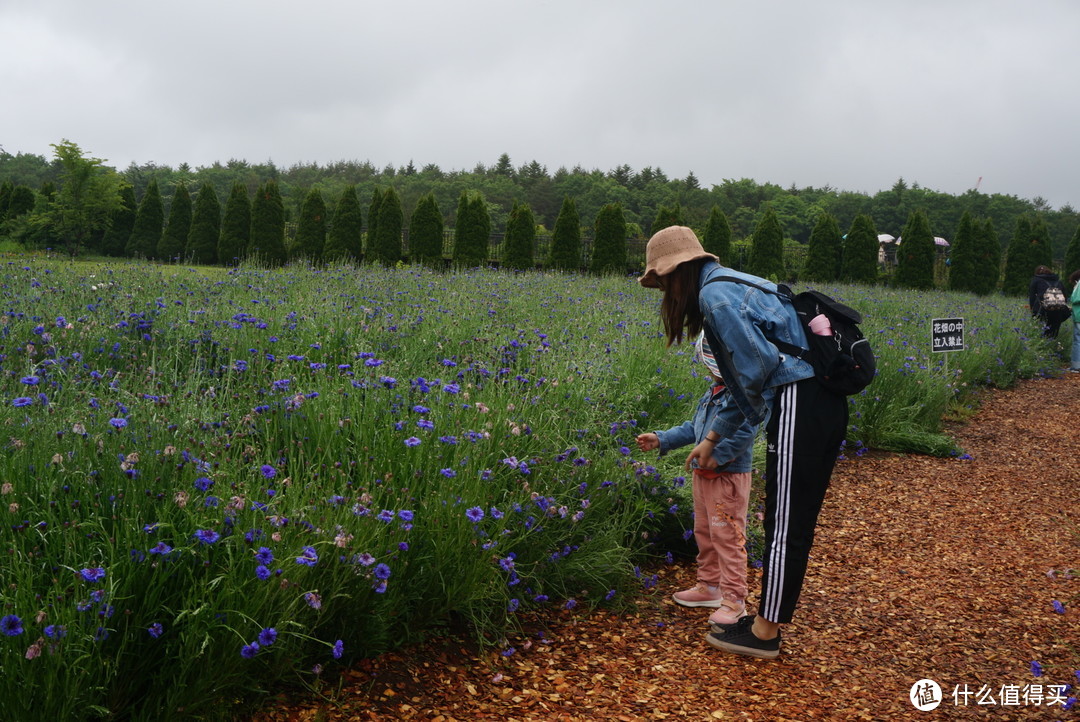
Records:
x=1046, y=299
x=721, y=496
x=805, y=426
x=1074, y=301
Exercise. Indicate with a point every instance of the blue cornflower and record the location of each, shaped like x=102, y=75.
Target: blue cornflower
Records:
x=386, y=516
x=495, y=513
x=55, y=631
x=513, y=605
x=203, y=483
x=338, y=649
x=264, y=555
x=155, y=630
x=30, y=380
x=308, y=557
x=249, y=650
x=11, y=625
x=448, y=473
x=160, y=548
x=474, y=514
x=403, y=546
x=425, y=424
x=421, y=409
x=1058, y=607
x=267, y=637
x=365, y=559
x=382, y=571
x=508, y=652
x=405, y=515
x=610, y=595
x=451, y=388
x=262, y=572
x=1036, y=669
x=571, y=603
x=267, y=471
x=313, y=600
x=92, y=574
x=22, y=401
x=118, y=422
x=411, y=441
x=207, y=536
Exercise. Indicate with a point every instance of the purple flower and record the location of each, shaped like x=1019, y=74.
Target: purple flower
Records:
x=155, y=630
x=207, y=536
x=386, y=516
x=22, y=401
x=571, y=603
x=308, y=557
x=1036, y=669
x=11, y=625
x=264, y=555
x=268, y=471
x=267, y=637
x=54, y=631
x=203, y=483
x=313, y=600
x=1059, y=607
x=338, y=649
x=93, y=574
x=474, y=514
x=262, y=572
x=411, y=441
x=249, y=650
x=118, y=423
x=382, y=571
x=513, y=605
x=448, y=473
x=160, y=548
x=30, y=380
x=405, y=515
x=365, y=559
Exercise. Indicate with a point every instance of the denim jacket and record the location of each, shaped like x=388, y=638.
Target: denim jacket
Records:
x=733, y=453
x=744, y=319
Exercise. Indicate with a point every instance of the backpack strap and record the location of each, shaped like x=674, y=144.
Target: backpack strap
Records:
x=784, y=293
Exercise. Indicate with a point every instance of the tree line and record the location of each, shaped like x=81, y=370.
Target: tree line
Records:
x=519, y=217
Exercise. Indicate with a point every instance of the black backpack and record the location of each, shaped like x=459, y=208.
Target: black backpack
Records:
x=1055, y=308
x=844, y=363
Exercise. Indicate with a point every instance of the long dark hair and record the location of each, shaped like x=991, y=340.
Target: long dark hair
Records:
x=680, y=310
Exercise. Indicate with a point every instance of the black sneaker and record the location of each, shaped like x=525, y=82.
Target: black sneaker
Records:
x=740, y=639
x=740, y=622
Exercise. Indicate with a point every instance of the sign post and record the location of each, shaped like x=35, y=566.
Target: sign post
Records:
x=947, y=334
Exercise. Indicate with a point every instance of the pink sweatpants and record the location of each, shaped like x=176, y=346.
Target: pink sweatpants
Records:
x=720, y=501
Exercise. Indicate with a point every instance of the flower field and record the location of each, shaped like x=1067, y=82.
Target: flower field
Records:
x=216, y=482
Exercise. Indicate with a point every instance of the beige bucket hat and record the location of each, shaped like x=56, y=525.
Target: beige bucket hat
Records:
x=667, y=249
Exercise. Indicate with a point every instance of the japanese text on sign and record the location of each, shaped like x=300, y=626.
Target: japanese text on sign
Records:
x=947, y=334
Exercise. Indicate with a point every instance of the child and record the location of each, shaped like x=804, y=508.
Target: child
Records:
x=721, y=495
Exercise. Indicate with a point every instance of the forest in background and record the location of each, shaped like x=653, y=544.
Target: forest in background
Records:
x=641, y=193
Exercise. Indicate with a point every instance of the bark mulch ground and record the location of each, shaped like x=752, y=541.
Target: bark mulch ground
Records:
x=923, y=568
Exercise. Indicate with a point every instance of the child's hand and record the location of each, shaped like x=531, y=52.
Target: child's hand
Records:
x=648, y=442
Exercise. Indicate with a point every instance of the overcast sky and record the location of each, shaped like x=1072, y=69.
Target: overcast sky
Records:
x=852, y=94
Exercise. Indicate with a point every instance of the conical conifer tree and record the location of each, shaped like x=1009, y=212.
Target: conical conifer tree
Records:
x=519, y=246
x=609, y=245
x=426, y=232
x=717, y=236
x=1040, y=250
x=472, y=228
x=202, y=240
x=1018, y=268
x=268, y=226
x=149, y=223
x=666, y=217
x=387, y=248
x=767, y=248
x=988, y=257
x=1072, y=254
x=372, y=224
x=915, y=256
x=859, y=255
x=344, y=241
x=965, y=268
x=566, y=238
x=5, y=198
x=824, y=250
x=311, y=228
x=174, y=239
x=121, y=224
x=235, y=226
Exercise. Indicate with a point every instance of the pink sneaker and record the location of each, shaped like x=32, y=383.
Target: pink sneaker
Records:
x=728, y=612
x=699, y=596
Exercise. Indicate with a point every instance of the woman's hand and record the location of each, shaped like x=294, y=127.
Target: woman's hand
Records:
x=647, y=442
x=701, y=456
